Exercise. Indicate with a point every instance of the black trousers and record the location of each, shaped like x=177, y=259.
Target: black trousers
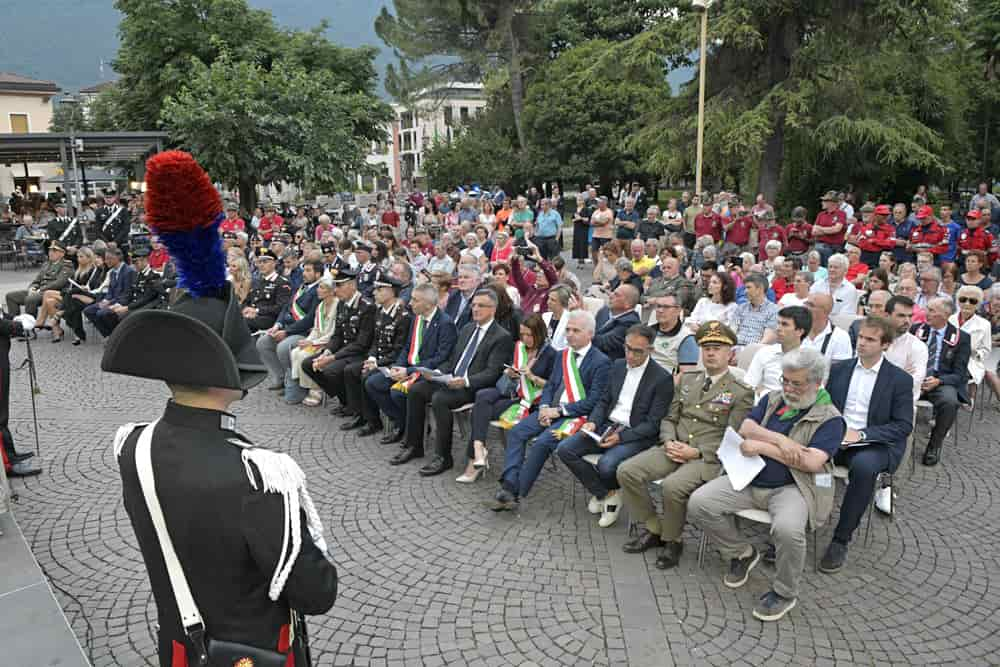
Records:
x=945, y=400
x=73, y=314
x=331, y=378
x=442, y=401
x=864, y=465
x=358, y=400
x=5, y=434
x=490, y=404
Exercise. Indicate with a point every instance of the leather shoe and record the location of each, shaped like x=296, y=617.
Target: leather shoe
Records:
x=437, y=466
x=932, y=456
x=405, y=455
x=368, y=430
x=355, y=423
x=341, y=411
x=644, y=541
x=670, y=556
x=17, y=458
x=396, y=436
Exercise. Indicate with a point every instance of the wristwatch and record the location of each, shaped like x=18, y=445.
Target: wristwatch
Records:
x=862, y=436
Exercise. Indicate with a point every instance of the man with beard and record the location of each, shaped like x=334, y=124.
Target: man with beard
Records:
x=795, y=486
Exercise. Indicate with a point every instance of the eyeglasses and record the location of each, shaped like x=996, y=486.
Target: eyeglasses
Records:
x=795, y=385
x=968, y=299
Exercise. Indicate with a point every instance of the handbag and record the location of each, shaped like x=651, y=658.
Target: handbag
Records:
x=208, y=652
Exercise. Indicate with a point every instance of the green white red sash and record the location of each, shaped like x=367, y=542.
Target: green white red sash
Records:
x=297, y=312
x=574, y=392
x=403, y=386
x=526, y=391
x=416, y=340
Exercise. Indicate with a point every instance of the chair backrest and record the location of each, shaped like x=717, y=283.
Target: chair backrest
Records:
x=592, y=304
x=746, y=355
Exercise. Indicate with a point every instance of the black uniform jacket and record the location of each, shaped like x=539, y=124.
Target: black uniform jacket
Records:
x=227, y=536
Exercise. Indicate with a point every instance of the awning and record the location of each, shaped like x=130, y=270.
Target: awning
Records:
x=98, y=147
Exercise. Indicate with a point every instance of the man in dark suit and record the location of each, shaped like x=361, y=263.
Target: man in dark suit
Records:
x=475, y=363
x=120, y=279
x=429, y=343
x=459, y=306
x=876, y=399
x=563, y=402
x=635, y=399
x=946, y=384
x=610, y=335
x=352, y=337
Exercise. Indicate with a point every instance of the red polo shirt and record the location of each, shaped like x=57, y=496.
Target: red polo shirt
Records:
x=708, y=224
x=799, y=235
x=771, y=232
x=829, y=219
x=739, y=233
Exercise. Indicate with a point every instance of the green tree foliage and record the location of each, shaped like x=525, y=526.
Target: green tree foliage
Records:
x=248, y=125
x=578, y=121
x=478, y=154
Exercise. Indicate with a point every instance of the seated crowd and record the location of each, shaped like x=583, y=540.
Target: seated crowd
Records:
x=814, y=342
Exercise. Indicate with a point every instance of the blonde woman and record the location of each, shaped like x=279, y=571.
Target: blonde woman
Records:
x=319, y=335
x=239, y=276
x=74, y=298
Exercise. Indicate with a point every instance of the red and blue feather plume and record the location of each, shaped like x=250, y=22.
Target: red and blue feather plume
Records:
x=184, y=210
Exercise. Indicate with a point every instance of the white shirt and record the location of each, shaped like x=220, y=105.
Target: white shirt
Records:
x=764, y=373
x=790, y=300
x=909, y=353
x=622, y=412
x=707, y=310
x=558, y=340
x=483, y=328
x=859, y=395
x=840, y=343
x=581, y=354
x=980, y=334
x=845, y=297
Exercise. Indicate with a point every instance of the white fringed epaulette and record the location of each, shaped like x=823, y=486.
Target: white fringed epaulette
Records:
x=279, y=473
x=123, y=433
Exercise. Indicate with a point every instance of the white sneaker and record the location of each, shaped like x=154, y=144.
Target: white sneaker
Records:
x=883, y=500
x=610, y=514
x=595, y=506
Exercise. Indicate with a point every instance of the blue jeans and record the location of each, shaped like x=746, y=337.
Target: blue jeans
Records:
x=601, y=479
x=391, y=402
x=520, y=468
x=826, y=250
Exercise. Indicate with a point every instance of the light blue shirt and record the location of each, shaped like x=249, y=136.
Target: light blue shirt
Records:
x=548, y=223
x=939, y=334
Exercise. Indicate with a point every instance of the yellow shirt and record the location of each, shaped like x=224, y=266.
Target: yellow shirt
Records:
x=644, y=265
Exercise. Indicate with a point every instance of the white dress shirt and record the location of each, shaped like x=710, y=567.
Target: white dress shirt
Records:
x=859, y=395
x=622, y=412
x=764, y=373
x=581, y=354
x=909, y=353
x=840, y=343
x=845, y=297
x=981, y=338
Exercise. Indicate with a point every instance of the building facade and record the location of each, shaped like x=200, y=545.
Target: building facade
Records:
x=26, y=107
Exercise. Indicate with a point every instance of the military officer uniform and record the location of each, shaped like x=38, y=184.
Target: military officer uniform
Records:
x=392, y=324
x=269, y=296
x=354, y=331
x=113, y=222
x=54, y=275
x=66, y=230
x=701, y=410
x=368, y=271
x=222, y=504
x=146, y=289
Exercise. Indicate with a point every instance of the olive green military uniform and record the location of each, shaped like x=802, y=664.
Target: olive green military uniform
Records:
x=698, y=416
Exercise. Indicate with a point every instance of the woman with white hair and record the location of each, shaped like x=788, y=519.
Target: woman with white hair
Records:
x=992, y=314
x=978, y=328
x=813, y=261
x=323, y=326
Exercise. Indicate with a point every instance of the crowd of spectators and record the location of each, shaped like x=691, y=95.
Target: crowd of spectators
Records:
x=803, y=335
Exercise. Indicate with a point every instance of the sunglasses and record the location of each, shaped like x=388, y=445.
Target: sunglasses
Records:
x=967, y=299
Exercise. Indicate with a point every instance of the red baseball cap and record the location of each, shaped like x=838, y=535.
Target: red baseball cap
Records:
x=925, y=212
x=973, y=214
x=883, y=209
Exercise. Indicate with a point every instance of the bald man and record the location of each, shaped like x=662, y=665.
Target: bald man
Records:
x=832, y=342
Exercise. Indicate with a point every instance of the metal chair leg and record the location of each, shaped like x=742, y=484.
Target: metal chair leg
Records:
x=702, y=544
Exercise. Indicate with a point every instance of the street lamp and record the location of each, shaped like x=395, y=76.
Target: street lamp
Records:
x=73, y=102
x=702, y=5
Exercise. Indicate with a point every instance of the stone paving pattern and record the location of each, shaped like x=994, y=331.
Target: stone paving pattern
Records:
x=431, y=577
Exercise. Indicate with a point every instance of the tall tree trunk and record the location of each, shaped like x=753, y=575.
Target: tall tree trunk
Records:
x=516, y=76
x=248, y=193
x=783, y=40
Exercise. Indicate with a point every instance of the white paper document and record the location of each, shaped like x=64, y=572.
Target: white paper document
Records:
x=739, y=468
x=442, y=378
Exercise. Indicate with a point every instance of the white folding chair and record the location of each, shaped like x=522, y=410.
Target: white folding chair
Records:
x=756, y=516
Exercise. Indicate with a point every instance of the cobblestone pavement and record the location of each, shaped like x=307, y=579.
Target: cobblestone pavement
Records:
x=430, y=577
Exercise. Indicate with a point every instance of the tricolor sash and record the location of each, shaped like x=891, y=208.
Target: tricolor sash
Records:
x=574, y=392
x=526, y=391
x=296, y=309
x=416, y=340
x=403, y=386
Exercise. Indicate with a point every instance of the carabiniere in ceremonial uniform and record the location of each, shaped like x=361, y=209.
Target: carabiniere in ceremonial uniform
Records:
x=270, y=293
x=113, y=221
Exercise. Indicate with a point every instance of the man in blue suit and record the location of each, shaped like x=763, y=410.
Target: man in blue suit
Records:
x=634, y=401
x=459, y=305
x=437, y=337
x=120, y=279
x=876, y=400
x=521, y=469
x=610, y=335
